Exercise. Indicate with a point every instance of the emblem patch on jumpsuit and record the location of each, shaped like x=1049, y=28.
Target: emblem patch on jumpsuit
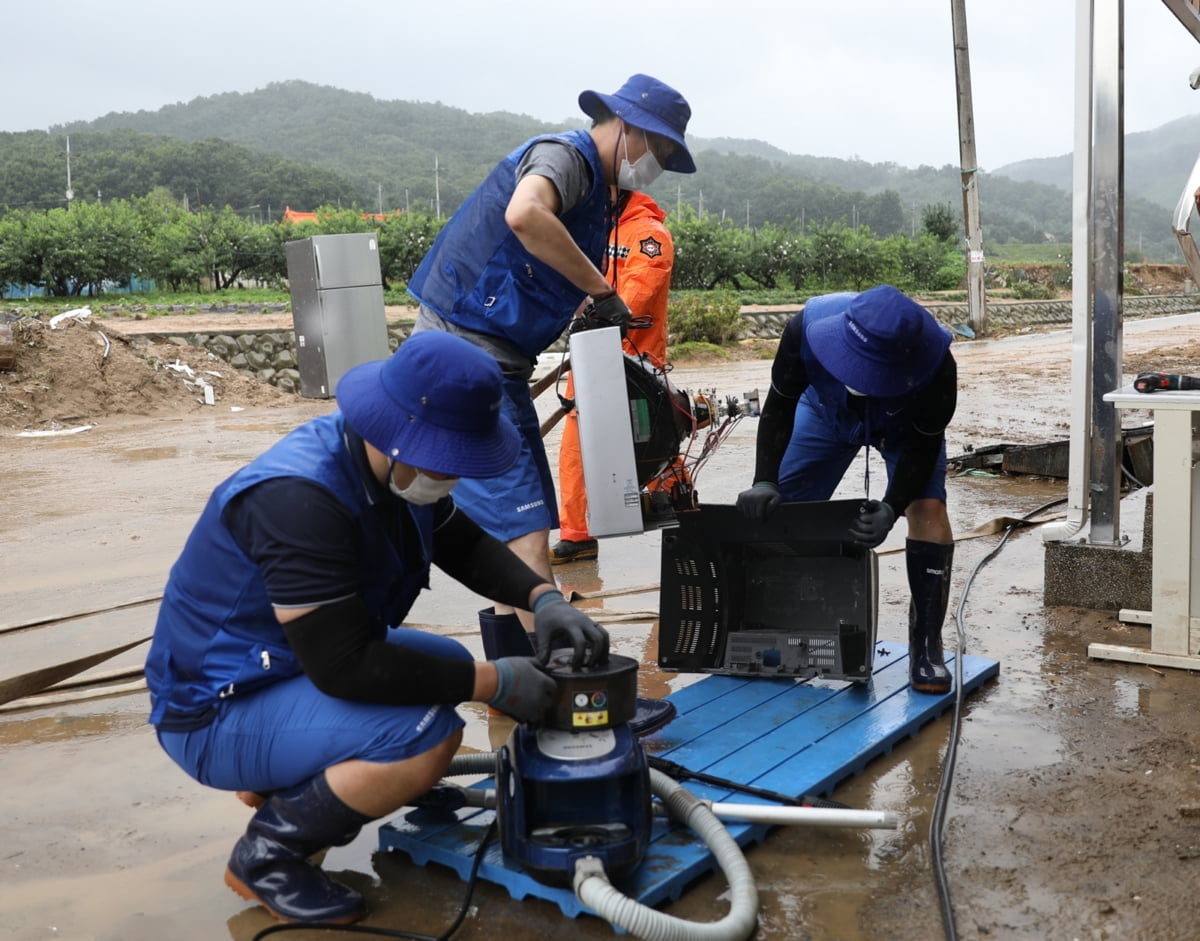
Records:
x=651, y=247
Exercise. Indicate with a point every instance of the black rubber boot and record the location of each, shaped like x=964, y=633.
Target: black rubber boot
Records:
x=503, y=635
x=929, y=566
x=270, y=864
x=565, y=551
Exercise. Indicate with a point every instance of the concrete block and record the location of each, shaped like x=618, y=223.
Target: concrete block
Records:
x=1105, y=578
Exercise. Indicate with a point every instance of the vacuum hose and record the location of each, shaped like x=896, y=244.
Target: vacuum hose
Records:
x=593, y=889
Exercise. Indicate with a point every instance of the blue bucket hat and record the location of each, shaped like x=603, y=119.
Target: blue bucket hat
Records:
x=883, y=344
x=433, y=404
x=648, y=104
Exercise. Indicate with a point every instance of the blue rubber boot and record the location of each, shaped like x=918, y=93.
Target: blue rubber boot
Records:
x=270, y=863
x=928, y=566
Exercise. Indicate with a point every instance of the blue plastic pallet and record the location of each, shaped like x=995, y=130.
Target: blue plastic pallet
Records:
x=794, y=738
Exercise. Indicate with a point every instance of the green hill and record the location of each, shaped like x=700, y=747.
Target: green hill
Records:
x=304, y=145
x=1157, y=163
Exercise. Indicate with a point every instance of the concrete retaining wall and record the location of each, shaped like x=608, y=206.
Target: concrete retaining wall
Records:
x=271, y=355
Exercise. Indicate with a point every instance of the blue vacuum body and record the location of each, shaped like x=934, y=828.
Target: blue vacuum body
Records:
x=578, y=785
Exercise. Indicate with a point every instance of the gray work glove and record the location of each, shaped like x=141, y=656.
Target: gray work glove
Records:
x=557, y=624
x=759, y=502
x=875, y=520
x=523, y=689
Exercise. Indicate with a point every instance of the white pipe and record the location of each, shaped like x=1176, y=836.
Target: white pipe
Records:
x=777, y=815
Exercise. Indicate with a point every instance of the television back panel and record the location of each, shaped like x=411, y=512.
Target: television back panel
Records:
x=790, y=597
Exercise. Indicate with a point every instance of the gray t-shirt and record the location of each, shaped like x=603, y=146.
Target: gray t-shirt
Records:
x=568, y=170
x=562, y=165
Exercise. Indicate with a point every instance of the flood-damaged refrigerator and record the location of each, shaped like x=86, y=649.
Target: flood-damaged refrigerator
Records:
x=337, y=307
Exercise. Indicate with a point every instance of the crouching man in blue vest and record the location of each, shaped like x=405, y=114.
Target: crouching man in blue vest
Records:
x=868, y=370
x=278, y=668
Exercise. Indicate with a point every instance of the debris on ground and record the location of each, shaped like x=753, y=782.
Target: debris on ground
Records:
x=78, y=371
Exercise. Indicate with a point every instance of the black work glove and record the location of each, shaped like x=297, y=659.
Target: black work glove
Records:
x=610, y=311
x=875, y=519
x=523, y=689
x=554, y=616
x=759, y=501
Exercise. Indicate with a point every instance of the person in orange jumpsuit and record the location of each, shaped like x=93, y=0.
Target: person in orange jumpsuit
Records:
x=641, y=255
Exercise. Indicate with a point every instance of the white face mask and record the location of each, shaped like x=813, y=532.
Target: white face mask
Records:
x=642, y=172
x=423, y=490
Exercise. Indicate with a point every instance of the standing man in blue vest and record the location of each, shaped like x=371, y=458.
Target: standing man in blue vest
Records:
x=515, y=264
x=868, y=370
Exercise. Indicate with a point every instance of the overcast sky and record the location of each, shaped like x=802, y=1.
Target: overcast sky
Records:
x=870, y=80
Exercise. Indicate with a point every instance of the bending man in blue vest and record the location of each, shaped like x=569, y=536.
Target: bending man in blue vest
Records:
x=868, y=370
x=514, y=265
x=278, y=668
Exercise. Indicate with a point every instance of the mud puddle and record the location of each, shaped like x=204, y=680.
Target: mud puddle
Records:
x=1072, y=806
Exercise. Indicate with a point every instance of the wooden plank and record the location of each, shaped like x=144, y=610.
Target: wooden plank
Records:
x=795, y=738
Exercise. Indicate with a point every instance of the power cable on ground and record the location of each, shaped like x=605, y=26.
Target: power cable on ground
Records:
x=937, y=821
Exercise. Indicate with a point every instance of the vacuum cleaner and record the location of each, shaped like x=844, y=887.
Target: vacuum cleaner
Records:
x=577, y=783
x=575, y=799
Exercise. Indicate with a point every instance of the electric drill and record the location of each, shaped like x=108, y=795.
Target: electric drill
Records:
x=1165, y=382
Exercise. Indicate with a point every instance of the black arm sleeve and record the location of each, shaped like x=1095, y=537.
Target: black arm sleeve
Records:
x=775, y=423
x=933, y=410
x=482, y=562
x=789, y=379
x=337, y=648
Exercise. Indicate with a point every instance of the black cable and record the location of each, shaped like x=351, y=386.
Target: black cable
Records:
x=681, y=773
x=937, y=821
x=472, y=881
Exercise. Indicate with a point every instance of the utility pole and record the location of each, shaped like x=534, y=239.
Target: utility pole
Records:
x=977, y=313
x=70, y=191
x=437, y=187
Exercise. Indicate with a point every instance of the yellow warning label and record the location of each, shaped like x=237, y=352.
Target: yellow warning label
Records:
x=583, y=720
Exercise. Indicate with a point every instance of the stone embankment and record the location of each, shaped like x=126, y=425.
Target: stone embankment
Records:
x=270, y=353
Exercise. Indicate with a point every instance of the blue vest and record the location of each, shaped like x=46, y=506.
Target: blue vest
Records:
x=217, y=634
x=479, y=276
x=880, y=419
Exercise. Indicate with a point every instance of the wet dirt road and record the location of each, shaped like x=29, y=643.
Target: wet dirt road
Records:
x=1075, y=797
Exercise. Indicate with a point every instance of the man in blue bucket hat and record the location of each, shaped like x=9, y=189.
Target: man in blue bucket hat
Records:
x=518, y=261
x=278, y=669
x=868, y=370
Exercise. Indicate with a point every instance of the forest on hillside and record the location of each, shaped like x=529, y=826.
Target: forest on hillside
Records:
x=308, y=146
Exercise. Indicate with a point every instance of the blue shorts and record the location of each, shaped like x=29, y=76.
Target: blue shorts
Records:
x=817, y=459
x=288, y=732
x=522, y=500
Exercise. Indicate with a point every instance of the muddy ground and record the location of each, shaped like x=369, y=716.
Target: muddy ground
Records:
x=1075, y=809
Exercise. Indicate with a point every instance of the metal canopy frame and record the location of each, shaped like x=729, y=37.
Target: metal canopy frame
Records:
x=1098, y=202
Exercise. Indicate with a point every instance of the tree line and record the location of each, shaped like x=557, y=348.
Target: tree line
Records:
x=94, y=246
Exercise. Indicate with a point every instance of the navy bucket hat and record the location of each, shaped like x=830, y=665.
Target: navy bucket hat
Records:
x=648, y=104
x=433, y=404
x=883, y=344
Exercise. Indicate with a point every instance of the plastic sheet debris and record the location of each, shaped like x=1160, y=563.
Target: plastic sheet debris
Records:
x=194, y=381
x=76, y=313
